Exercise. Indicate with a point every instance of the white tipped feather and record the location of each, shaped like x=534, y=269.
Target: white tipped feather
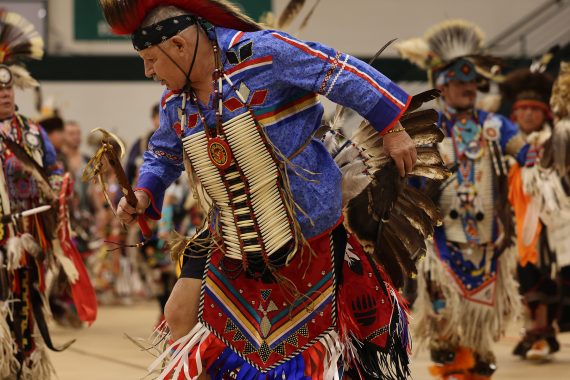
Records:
x=454, y=39
x=363, y=132
x=347, y=155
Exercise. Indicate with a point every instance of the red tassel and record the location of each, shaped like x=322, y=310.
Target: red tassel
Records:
x=209, y=350
x=314, y=359
x=82, y=291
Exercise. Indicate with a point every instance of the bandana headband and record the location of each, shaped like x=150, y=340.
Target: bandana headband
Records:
x=154, y=34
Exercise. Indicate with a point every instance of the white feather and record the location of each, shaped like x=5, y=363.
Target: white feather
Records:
x=347, y=155
x=416, y=50
x=530, y=223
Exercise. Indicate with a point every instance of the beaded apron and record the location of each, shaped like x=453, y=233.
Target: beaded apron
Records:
x=261, y=320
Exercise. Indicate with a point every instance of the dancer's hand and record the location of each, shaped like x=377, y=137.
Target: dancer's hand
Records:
x=401, y=148
x=127, y=213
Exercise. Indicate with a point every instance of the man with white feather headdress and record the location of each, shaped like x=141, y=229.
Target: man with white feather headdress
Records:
x=274, y=286
x=34, y=230
x=466, y=290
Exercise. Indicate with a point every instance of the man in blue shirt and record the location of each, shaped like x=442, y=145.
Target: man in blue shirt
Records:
x=217, y=66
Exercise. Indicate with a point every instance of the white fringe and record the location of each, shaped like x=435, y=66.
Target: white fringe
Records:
x=176, y=355
x=8, y=363
x=38, y=365
x=334, y=352
x=16, y=246
x=474, y=325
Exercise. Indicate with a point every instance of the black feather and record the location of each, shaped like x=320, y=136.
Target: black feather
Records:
x=400, y=229
x=377, y=199
x=423, y=97
x=379, y=52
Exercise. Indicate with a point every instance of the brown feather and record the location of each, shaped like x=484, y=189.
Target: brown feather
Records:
x=363, y=131
x=386, y=254
x=414, y=242
x=432, y=172
x=418, y=218
x=309, y=15
x=377, y=199
x=419, y=118
x=290, y=12
x=391, y=253
x=426, y=135
x=421, y=200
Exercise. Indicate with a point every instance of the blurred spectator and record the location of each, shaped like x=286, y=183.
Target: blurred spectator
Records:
x=53, y=125
x=72, y=148
x=83, y=207
x=135, y=158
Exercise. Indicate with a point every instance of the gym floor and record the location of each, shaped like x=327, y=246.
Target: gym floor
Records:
x=102, y=352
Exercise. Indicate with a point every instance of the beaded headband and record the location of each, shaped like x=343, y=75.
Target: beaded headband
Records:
x=154, y=34
x=461, y=70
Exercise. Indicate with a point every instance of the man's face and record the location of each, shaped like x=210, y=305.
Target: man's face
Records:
x=529, y=118
x=459, y=95
x=56, y=139
x=7, y=102
x=159, y=67
x=72, y=136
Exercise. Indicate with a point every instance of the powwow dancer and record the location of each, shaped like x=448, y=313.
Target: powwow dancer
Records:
x=34, y=233
x=539, y=194
x=466, y=289
x=274, y=287
x=529, y=91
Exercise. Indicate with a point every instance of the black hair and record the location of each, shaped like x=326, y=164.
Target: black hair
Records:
x=52, y=124
x=155, y=110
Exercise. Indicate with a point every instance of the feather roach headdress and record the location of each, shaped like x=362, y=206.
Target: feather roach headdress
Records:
x=126, y=16
x=18, y=41
x=451, y=50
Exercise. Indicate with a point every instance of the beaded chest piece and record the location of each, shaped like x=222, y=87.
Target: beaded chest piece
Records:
x=467, y=203
x=240, y=172
x=241, y=175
